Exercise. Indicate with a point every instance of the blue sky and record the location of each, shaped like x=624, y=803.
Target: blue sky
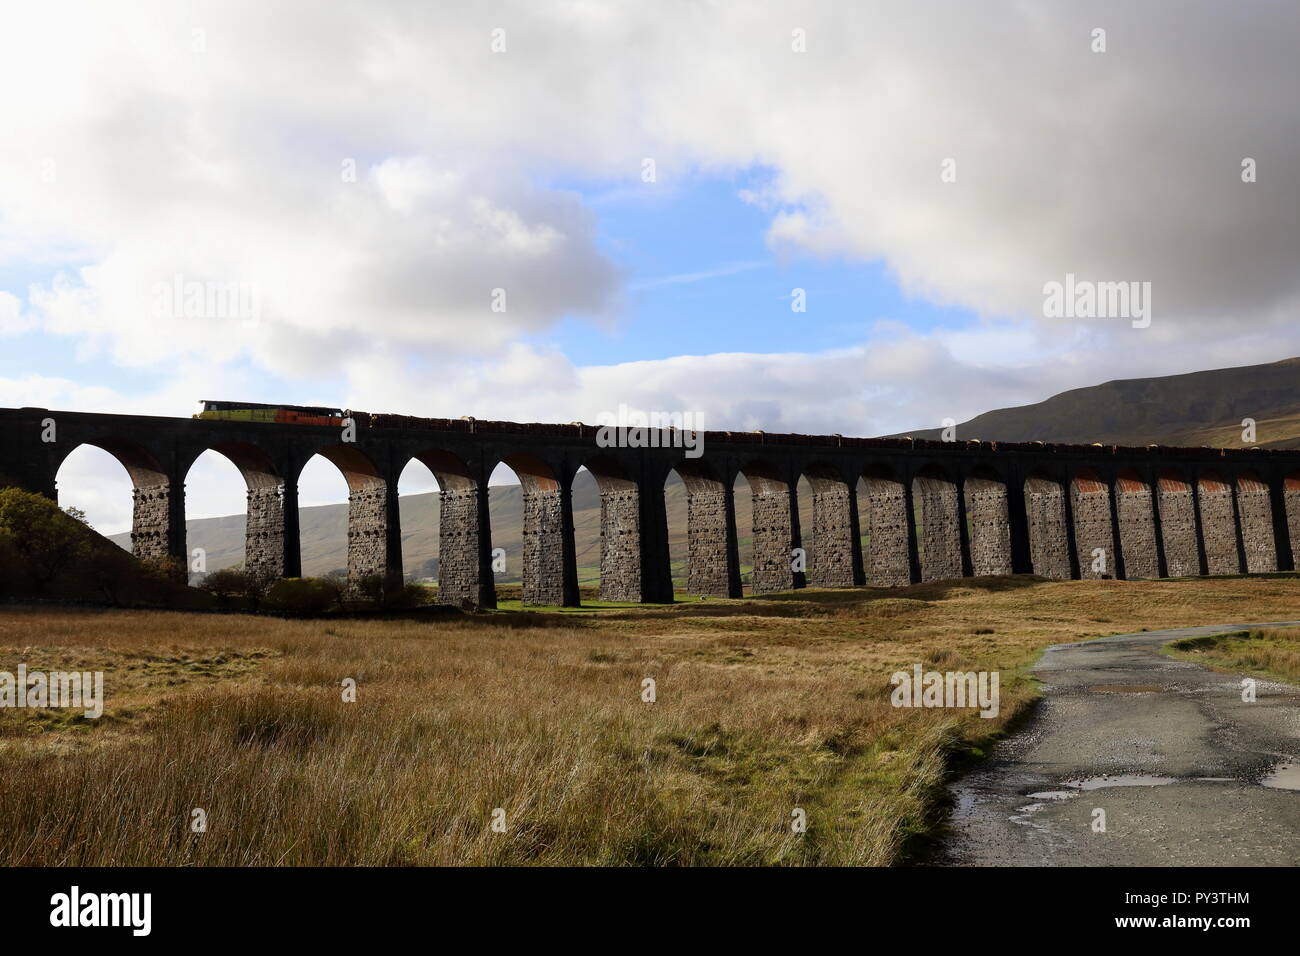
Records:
x=702, y=278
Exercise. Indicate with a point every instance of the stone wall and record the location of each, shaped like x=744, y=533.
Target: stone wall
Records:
x=543, y=544
x=620, y=544
x=1137, y=530
x=1090, y=502
x=885, y=527
x=264, y=532
x=1255, y=511
x=830, y=556
x=1178, y=527
x=367, y=533
x=772, y=542
x=990, y=526
x=151, y=521
x=459, y=566
x=707, y=570
x=938, y=528
x=1218, y=528
x=1049, y=541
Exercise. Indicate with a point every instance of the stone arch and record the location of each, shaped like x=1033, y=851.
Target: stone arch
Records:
x=712, y=556
x=370, y=516
x=989, y=521
x=463, y=529
x=1094, y=535
x=1218, y=524
x=1137, y=528
x=156, y=530
x=264, y=523
x=938, y=529
x=1177, y=523
x=883, y=502
x=772, y=528
x=833, y=559
x=1255, y=514
x=1049, y=538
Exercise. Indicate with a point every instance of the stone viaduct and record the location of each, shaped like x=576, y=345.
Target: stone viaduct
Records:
x=928, y=510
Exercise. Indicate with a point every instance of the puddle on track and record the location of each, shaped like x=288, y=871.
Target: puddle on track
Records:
x=1097, y=783
x=1120, y=780
x=1285, y=776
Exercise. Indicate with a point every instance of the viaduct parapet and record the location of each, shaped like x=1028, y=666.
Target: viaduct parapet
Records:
x=931, y=510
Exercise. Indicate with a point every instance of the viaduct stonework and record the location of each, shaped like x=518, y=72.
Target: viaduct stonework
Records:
x=928, y=510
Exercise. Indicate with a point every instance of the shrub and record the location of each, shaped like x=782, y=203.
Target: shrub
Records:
x=225, y=584
x=44, y=540
x=308, y=595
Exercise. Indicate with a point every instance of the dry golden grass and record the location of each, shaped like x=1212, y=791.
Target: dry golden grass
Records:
x=762, y=706
x=1272, y=652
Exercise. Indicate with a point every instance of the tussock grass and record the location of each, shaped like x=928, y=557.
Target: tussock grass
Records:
x=1271, y=652
x=763, y=706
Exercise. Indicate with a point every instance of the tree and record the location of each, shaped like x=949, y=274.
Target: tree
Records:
x=45, y=540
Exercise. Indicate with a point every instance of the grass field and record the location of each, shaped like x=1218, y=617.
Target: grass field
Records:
x=762, y=707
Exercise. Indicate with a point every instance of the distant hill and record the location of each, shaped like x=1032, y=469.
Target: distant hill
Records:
x=1199, y=408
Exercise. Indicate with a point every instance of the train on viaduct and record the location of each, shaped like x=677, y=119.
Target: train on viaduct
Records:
x=927, y=510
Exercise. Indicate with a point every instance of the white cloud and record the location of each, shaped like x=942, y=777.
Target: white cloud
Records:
x=135, y=153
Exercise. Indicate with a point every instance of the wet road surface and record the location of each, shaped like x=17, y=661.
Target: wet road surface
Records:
x=1184, y=771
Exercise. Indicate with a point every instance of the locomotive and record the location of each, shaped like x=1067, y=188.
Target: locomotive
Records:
x=280, y=414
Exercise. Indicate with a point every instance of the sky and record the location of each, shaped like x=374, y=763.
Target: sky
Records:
x=817, y=217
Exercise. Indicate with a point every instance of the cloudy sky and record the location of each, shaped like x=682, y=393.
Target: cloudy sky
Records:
x=654, y=188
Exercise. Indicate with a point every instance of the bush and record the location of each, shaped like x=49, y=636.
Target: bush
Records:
x=225, y=584
x=43, y=540
x=388, y=594
x=307, y=595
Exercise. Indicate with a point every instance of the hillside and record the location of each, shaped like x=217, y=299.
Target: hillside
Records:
x=1198, y=408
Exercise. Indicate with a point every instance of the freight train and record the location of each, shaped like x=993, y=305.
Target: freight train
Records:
x=281, y=414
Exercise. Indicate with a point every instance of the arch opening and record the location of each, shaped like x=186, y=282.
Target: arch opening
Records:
x=146, y=526
x=365, y=524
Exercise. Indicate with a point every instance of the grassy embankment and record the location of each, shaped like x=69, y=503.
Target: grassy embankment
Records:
x=1263, y=652
x=763, y=706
